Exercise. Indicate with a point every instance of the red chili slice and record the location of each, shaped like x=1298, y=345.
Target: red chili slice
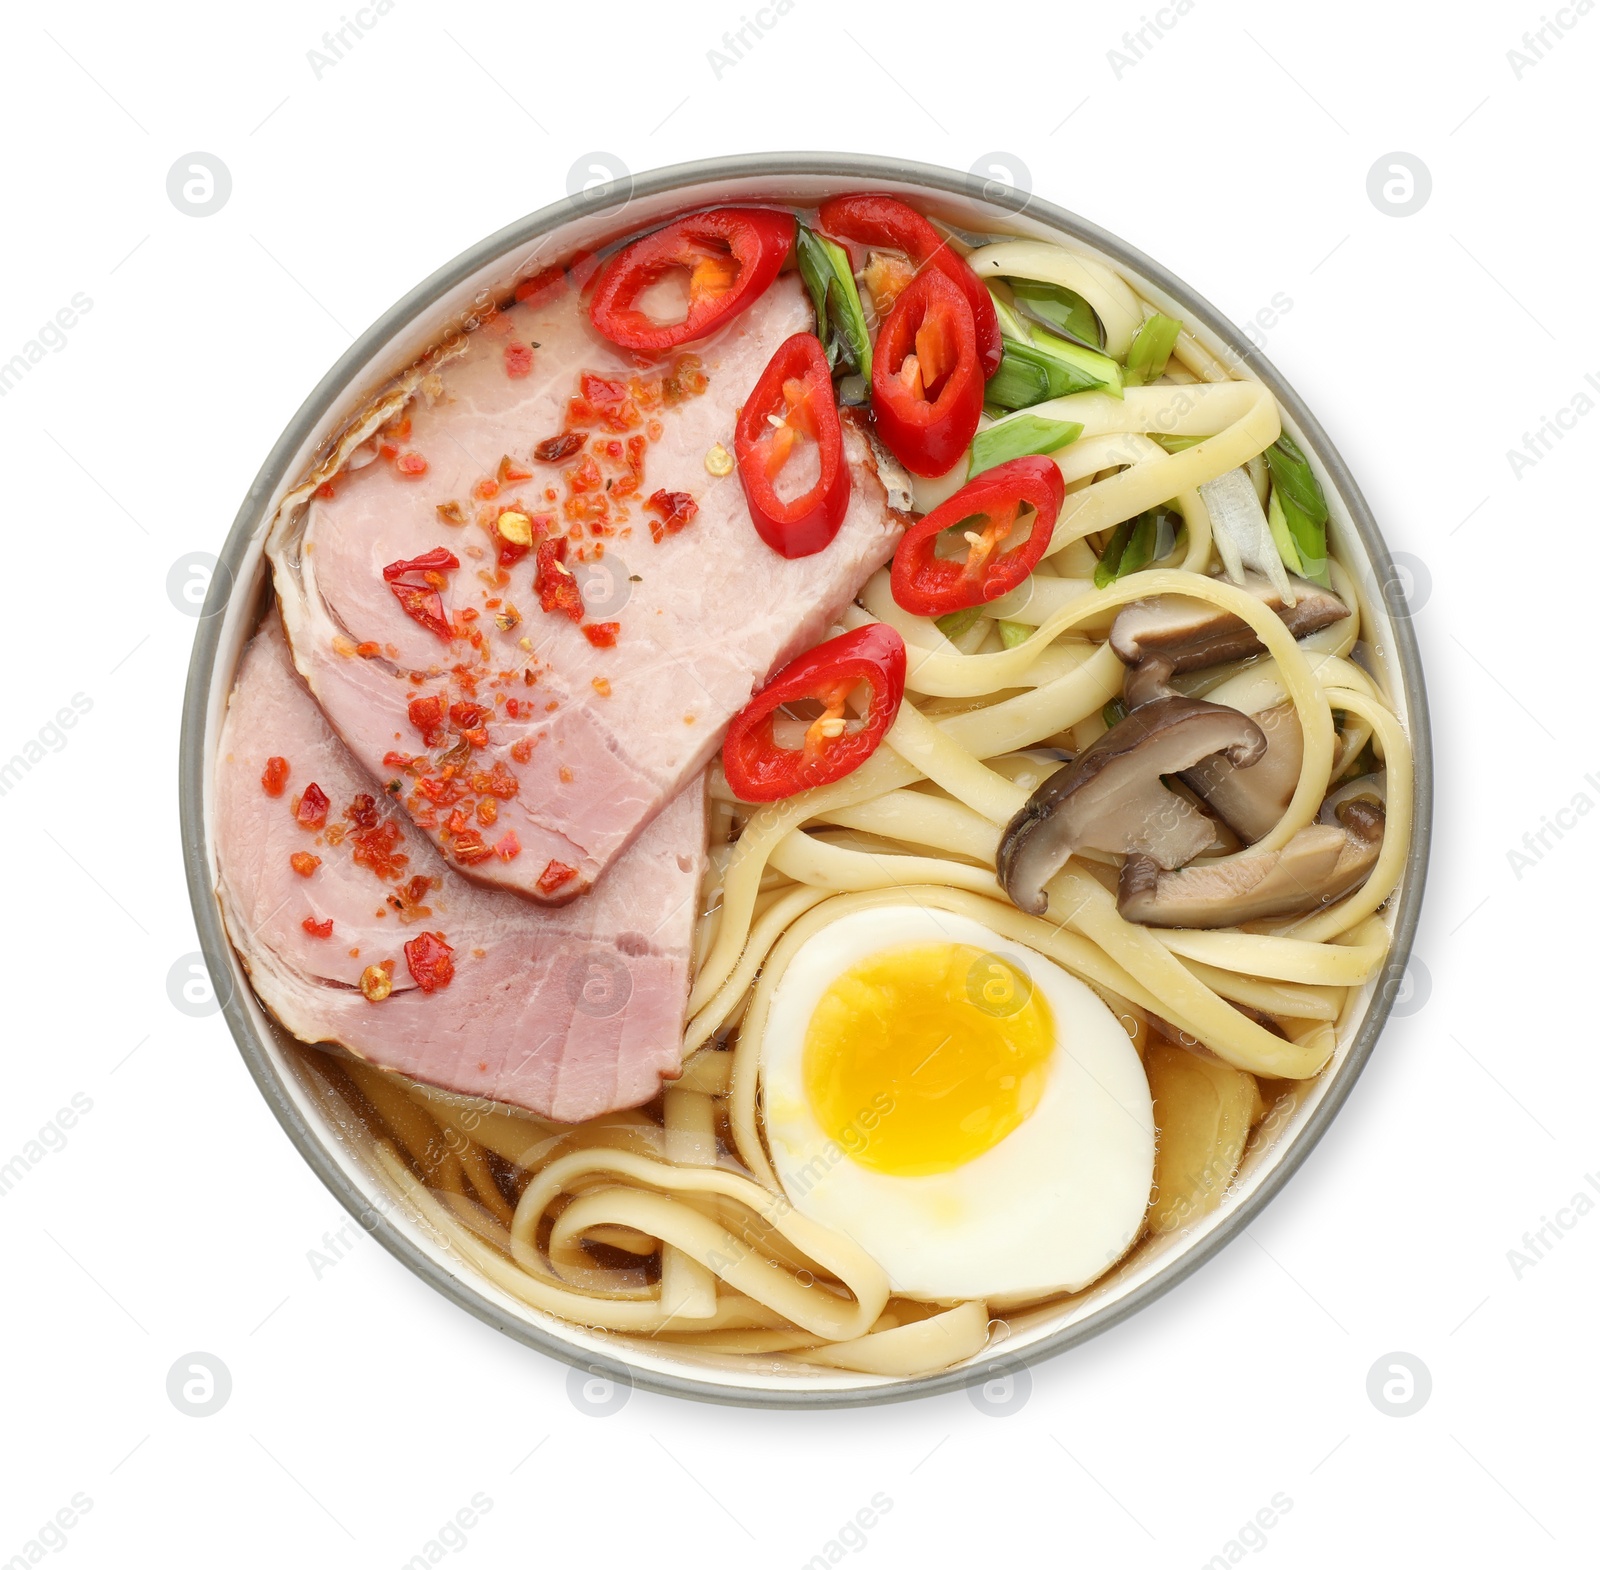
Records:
x=312, y=812
x=422, y=601
x=796, y=390
x=927, y=584
x=731, y=255
x=428, y=959
x=870, y=219
x=927, y=387
x=758, y=769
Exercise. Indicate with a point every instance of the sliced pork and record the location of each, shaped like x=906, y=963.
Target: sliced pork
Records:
x=354, y=928
x=541, y=587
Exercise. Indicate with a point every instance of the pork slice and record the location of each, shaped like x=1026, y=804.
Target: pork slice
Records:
x=593, y=740
x=569, y=1012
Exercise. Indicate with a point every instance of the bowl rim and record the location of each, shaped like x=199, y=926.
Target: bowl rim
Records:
x=193, y=761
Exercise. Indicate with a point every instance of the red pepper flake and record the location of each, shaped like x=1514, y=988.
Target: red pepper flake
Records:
x=674, y=509
x=275, y=776
x=305, y=863
x=318, y=929
x=554, y=875
x=368, y=650
x=412, y=464
x=557, y=449
x=324, y=492
x=519, y=359
x=437, y=560
x=375, y=847
x=686, y=379
x=584, y=476
x=442, y=793
x=469, y=848
x=388, y=450
x=362, y=811
x=498, y=781
x=422, y=602
x=522, y=750
x=508, y=847
x=427, y=715
x=451, y=513
x=610, y=402
x=467, y=716
x=511, y=471
x=399, y=428
x=602, y=634
x=428, y=960
x=311, y=811
x=556, y=587
x=397, y=760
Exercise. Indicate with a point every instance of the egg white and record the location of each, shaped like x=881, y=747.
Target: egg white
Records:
x=1050, y=1207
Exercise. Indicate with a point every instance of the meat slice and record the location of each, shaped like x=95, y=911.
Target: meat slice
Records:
x=593, y=723
x=568, y=1012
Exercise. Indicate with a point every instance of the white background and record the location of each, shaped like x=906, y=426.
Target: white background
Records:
x=365, y=1410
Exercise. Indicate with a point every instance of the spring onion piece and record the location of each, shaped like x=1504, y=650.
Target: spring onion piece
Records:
x=1291, y=473
x=1298, y=497
x=1151, y=349
x=958, y=622
x=1010, y=324
x=1030, y=373
x=1281, y=537
x=1131, y=548
x=1115, y=710
x=1013, y=632
x=1177, y=443
x=1239, y=528
x=1022, y=437
x=1059, y=309
x=825, y=266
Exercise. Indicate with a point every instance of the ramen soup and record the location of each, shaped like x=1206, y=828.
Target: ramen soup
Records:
x=814, y=778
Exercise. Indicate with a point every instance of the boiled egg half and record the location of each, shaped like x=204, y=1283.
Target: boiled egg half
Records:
x=971, y=1115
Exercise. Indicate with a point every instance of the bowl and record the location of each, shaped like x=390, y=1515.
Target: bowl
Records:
x=240, y=589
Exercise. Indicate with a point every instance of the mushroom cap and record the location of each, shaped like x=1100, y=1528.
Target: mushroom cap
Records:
x=1251, y=801
x=1322, y=863
x=1111, y=797
x=1193, y=634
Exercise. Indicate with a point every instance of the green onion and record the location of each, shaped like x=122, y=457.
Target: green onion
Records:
x=1292, y=475
x=1298, y=497
x=1059, y=309
x=1021, y=437
x=1115, y=710
x=958, y=622
x=1010, y=325
x=1132, y=546
x=1178, y=443
x=1151, y=349
x=1030, y=374
x=1281, y=537
x=825, y=267
x=1014, y=632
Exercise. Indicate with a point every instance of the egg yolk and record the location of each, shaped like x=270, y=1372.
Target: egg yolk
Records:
x=920, y=1058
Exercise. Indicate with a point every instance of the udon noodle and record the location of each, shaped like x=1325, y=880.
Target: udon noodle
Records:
x=669, y=1223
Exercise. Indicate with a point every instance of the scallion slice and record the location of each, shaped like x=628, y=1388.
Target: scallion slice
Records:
x=1020, y=437
x=1151, y=349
